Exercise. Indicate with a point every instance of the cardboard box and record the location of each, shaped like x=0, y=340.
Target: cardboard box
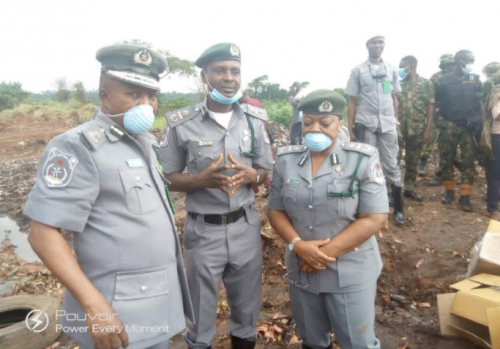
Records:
x=485, y=256
x=474, y=311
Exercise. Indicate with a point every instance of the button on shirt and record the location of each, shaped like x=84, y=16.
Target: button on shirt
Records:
x=375, y=107
x=196, y=143
x=316, y=213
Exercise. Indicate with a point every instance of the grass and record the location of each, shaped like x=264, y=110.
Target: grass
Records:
x=280, y=112
x=72, y=112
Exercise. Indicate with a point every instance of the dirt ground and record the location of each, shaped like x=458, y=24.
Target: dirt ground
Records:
x=421, y=259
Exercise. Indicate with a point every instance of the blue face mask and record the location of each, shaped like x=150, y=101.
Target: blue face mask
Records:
x=402, y=73
x=220, y=98
x=317, y=141
x=138, y=119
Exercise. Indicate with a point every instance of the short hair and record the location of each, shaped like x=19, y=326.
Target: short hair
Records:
x=461, y=55
x=410, y=59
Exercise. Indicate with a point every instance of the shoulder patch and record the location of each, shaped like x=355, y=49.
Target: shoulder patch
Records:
x=59, y=168
x=256, y=112
x=180, y=116
x=291, y=149
x=360, y=148
x=376, y=173
x=93, y=136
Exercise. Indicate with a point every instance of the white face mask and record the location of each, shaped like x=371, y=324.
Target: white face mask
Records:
x=469, y=67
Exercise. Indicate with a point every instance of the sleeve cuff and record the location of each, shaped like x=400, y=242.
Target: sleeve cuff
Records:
x=54, y=216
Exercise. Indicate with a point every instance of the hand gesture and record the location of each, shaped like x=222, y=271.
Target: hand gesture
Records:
x=213, y=178
x=309, y=252
x=245, y=175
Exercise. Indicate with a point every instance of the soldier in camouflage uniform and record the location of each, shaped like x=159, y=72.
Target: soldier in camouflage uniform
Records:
x=447, y=64
x=416, y=110
x=459, y=99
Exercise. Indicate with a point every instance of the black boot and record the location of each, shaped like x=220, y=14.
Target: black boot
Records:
x=399, y=216
x=391, y=199
x=421, y=167
x=464, y=203
x=410, y=194
x=436, y=182
x=449, y=196
x=240, y=343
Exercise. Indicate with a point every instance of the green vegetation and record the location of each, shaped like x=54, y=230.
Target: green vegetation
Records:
x=11, y=95
x=280, y=112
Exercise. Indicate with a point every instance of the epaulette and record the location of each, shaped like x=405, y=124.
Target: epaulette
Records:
x=180, y=116
x=360, y=148
x=290, y=149
x=93, y=136
x=256, y=112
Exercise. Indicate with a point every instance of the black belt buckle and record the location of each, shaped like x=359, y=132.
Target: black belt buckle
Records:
x=224, y=219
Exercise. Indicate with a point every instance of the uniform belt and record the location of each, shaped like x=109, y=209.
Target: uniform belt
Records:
x=221, y=219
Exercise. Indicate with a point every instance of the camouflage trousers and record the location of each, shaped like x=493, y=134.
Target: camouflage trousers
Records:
x=412, y=146
x=426, y=152
x=452, y=135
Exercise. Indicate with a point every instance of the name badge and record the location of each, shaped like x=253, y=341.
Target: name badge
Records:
x=135, y=163
x=205, y=143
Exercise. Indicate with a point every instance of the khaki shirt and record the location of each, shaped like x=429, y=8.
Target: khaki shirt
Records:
x=193, y=139
x=103, y=185
x=375, y=106
x=317, y=213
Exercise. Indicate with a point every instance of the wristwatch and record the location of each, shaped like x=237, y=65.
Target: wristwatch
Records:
x=292, y=243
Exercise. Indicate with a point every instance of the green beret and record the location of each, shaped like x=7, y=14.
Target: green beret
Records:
x=134, y=64
x=375, y=37
x=447, y=58
x=323, y=102
x=492, y=69
x=219, y=52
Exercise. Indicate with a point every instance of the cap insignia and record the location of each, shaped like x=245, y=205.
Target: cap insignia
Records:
x=143, y=57
x=326, y=106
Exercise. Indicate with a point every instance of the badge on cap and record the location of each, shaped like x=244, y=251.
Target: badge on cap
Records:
x=376, y=173
x=143, y=57
x=326, y=106
x=58, y=169
x=234, y=50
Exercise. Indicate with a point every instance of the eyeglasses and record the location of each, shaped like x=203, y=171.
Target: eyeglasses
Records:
x=298, y=281
x=378, y=74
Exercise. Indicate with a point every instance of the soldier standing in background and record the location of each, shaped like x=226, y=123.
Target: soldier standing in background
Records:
x=416, y=111
x=459, y=99
x=447, y=64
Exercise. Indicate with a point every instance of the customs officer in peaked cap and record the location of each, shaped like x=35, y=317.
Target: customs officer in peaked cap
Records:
x=103, y=182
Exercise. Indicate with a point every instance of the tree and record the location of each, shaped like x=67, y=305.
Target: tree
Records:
x=264, y=90
x=79, y=92
x=304, y=84
x=11, y=95
x=175, y=65
x=62, y=91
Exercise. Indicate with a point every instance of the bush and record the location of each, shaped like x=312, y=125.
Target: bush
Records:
x=280, y=112
x=11, y=95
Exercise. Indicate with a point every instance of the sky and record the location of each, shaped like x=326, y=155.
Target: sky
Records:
x=319, y=41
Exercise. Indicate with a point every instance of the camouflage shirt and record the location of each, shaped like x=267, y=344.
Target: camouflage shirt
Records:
x=434, y=78
x=413, y=101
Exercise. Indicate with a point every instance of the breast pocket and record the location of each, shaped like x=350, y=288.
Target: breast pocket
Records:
x=342, y=202
x=367, y=83
x=200, y=156
x=140, y=194
x=141, y=300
